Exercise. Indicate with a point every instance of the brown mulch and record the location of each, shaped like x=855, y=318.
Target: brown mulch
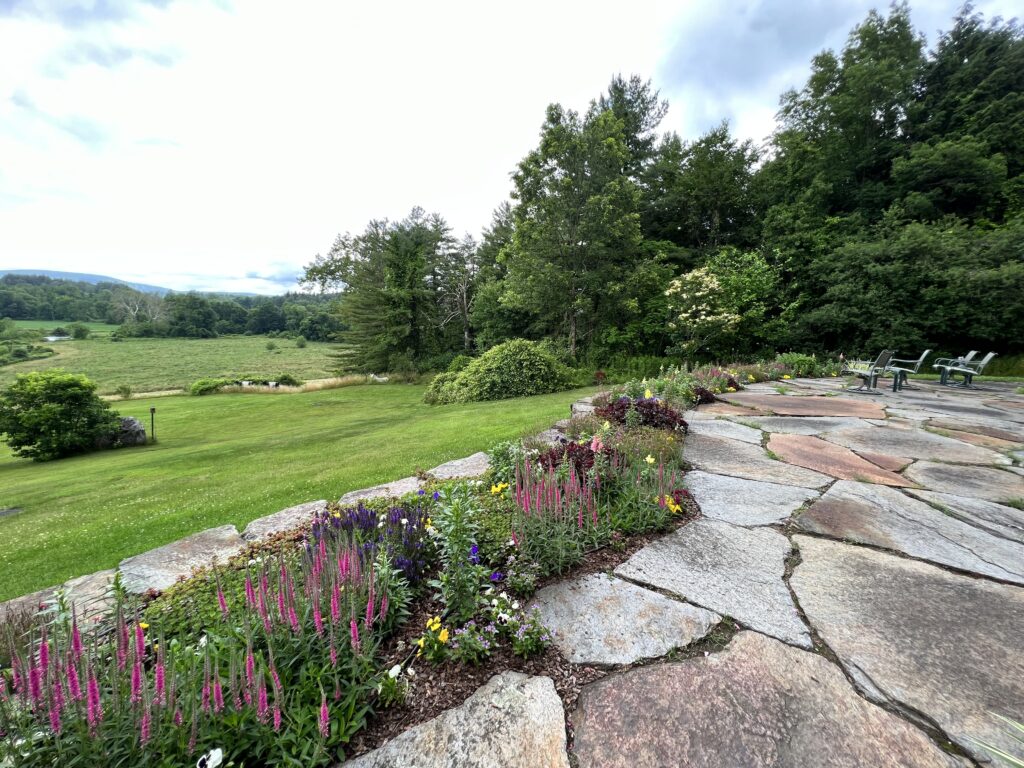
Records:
x=442, y=687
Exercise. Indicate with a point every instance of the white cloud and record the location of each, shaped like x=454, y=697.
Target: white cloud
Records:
x=191, y=144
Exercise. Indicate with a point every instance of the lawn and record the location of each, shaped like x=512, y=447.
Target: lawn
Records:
x=151, y=365
x=48, y=325
x=230, y=459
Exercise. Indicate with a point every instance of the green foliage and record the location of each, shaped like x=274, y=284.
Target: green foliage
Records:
x=79, y=331
x=124, y=391
x=300, y=342
x=504, y=457
x=209, y=386
x=461, y=573
x=516, y=368
x=47, y=415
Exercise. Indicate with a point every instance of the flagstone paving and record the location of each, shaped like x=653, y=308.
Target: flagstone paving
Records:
x=995, y=485
x=885, y=517
x=803, y=425
x=928, y=642
x=727, y=569
x=997, y=519
x=814, y=453
x=788, y=405
x=914, y=444
x=757, y=703
x=745, y=502
x=731, y=457
x=599, y=619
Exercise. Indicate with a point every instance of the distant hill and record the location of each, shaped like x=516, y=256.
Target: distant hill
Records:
x=81, y=277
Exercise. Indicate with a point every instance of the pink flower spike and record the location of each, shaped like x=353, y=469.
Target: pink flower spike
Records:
x=140, y=641
x=76, y=640
x=144, y=728
x=218, y=696
x=73, y=684
x=354, y=629
x=222, y=603
x=44, y=656
x=35, y=685
x=136, y=695
x=250, y=592
x=325, y=717
x=277, y=718
x=159, y=682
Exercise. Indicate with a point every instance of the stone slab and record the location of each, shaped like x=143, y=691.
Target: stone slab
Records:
x=884, y=517
x=978, y=482
x=725, y=409
x=914, y=444
x=919, y=638
x=982, y=441
x=160, y=568
x=995, y=518
x=470, y=466
x=727, y=569
x=386, y=490
x=727, y=429
x=729, y=457
x=745, y=502
x=787, y=405
x=890, y=463
x=598, y=619
x=289, y=519
x=757, y=704
x=1008, y=432
x=814, y=453
x=805, y=425
x=513, y=721
x=91, y=594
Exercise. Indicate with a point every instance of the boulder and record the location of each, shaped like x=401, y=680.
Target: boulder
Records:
x=160, y=568
x=757, y=704
x=513, y=721
x=598, y=619
x=286, y=520
x=386, y=490
x=471, y=466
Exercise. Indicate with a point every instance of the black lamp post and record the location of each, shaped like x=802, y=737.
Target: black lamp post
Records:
x=152, y=424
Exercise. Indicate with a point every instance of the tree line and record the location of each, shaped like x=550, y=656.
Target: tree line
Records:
x=192, y=315
x=886, y=210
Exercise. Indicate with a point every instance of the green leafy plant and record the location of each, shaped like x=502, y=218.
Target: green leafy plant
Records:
x=47, y=415
x=461, y=572
x=516, y=368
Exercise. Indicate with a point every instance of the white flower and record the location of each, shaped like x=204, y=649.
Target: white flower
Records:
x=395, y=671
x=202, y=641
x=404, y=521
x=515, y=605
x=212, y=759
x=410, y=672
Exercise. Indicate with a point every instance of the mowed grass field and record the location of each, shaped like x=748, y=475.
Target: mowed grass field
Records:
x=48, y=325
x=153, y=365
x=229, y=459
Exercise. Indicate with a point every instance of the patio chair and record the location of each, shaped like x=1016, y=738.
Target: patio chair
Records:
x=966, y=368
x=868, y=371
x=900, y=372
x=947, y=361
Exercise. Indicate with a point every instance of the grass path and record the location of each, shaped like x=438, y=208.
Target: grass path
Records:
x=230, y=459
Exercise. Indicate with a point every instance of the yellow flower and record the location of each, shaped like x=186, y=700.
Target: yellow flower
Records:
x=606, y=425
x=421, y=641
x=648, y=394
x=786, y=376
x=443, y=637
x=649, y=459
x=143, y=625
x=496, y=489
x=750, y=377
x=834, y=375
x=434, y=623
x=732, y=389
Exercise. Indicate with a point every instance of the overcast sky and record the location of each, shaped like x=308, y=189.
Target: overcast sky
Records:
x=220, y=146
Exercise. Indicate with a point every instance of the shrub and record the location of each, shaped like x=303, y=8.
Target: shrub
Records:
x=209, y=386
x=649, y=413
x=271, y=346
x=458, y=363
x=50, y=414
x=516, y=368
x=79, y=331
x=124, y=391
x=798, y=364
x=461, y=572
x=287, y=380
x=300, y=342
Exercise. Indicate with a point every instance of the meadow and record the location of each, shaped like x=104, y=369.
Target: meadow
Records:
x=230, y=459
x=151, y=365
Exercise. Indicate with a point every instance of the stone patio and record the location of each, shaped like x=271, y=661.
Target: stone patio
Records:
x=868, y=549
